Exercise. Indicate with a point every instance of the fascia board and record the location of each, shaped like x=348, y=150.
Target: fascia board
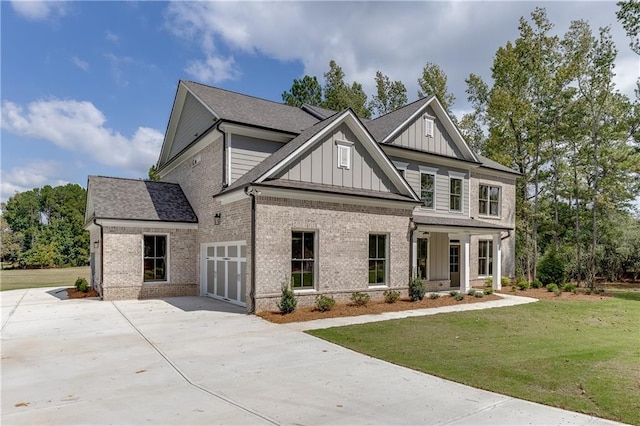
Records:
x=251, y=131
x=146, y=224
x=204, y=141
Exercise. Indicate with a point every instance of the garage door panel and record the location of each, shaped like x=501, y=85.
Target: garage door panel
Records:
x=220, y=278
x=232, y=280
x=243, y=282
x=226, y=271
x=210, y=277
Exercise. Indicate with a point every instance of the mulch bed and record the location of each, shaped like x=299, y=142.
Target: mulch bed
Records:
x=373, y=307
x=542, y=293
x=73, y=293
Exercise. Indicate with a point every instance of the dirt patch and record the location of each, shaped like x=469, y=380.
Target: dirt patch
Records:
x=542, y=293
x=373, y=307
x=75, y=294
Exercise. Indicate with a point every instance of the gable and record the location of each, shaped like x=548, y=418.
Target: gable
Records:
x=194, y=119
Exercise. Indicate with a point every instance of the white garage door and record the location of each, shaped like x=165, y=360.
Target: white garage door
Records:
x=224, y=271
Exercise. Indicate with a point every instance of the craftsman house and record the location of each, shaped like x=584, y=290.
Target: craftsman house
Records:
x=254, y=194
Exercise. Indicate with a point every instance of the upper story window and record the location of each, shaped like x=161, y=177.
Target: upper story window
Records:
x=455, y=194
x=428, y=189
x=344, y=154
x=155, y=258
x=429, y=126
x=489, y=200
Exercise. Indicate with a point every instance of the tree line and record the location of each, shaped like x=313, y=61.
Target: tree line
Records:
x=43, y=227
x=551, y=112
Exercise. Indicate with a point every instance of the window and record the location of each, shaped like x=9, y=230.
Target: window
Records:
x=428, y=126
x=489, y=200
x=344, y=154
x=302, y=260
x=377, y=259
x=155, y=258
x=455, y=194
x=485, y=258
x=428, y=189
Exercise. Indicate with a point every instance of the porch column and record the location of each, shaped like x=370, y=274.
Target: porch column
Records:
x=464, y=264
x=497, y=261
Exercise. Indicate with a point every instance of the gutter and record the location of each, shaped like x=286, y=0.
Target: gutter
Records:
x=225, y=184
x=252, y=292
x=95, y=222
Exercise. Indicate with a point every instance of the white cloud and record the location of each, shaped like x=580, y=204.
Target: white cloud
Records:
x=31, y=175
x=80, y=127
x=83, y=65
x=113, y=38
x=213, y=69
x=627, y=73
x=39, y=10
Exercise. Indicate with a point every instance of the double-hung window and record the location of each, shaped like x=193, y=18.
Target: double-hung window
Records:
x=428, y=189
x=455, y=194
x=489, y=200
x=485, y=257
x=155, y=258
x=377, y=259
x=303, y=260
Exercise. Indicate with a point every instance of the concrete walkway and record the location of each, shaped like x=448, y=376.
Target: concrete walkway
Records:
x=198, y=361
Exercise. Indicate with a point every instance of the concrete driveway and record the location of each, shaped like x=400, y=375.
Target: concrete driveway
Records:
x=199, y=361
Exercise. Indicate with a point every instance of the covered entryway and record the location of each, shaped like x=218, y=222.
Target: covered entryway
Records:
x=224, y=271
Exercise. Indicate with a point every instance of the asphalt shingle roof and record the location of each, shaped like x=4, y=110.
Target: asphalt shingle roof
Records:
x=252, y=111
x=135, y=199
x=495, y=165
x=382, y=126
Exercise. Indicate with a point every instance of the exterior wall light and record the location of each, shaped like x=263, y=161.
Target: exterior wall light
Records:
x=216, y=218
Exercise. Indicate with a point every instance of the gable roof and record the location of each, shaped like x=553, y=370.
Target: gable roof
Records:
x=273, y=164
x=490, y=164
x=135, y=199
x=384, y=125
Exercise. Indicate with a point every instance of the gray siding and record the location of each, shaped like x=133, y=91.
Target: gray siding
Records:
x=441, y=143
x=412, y=175
x=439, y=256
x=320, y=165
x=194, y=120
x=247, y=152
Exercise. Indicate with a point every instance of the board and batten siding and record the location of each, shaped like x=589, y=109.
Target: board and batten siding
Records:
x=194, y=120
x=412, y=176
x=320, y=165
x=247, y=152
x=413, y=136
x=438, y=256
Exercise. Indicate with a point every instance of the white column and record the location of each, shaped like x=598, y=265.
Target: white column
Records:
x=414, y=255
x=497, y=261
x=464, y=263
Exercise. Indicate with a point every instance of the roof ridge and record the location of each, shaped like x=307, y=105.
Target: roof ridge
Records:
x=133, y=179
x=240, y=94
x=427, y=98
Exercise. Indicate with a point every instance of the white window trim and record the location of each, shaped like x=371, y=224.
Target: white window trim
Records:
x=489, y=256
x=433, y=171
x=488, y=214
x=429, y=126
x=315, y=260
x=341, y=147
x=168, y=260
x=401, y=167
x=387, y=244
x=460, y=176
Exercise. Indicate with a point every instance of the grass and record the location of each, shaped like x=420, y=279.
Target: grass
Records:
x=14, y=279
x=577, y=355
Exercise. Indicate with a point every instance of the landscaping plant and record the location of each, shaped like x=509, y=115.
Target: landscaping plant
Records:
x=360, y=299
x=82, y=285
x=551, y=268
x=434, y=296
x=288, y=300
x=417, y=289
x=324, y=303
x=391, y=296
x=552, y=287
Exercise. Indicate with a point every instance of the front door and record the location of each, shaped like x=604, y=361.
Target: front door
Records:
x=423, y=258
x=454, y=265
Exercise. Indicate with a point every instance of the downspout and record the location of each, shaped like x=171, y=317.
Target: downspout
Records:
x=224, y=156
x=412, y=228
x=101, y=256
x=252, y=291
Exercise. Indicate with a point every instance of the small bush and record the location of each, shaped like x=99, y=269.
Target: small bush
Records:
x=523, y=285
x=391, y=296
x=551, y=268
x=82, y=285
x=514, y=288
x=434, y=296
x=360, y=299
x=288, y=300
x=478, y=294
x=552, y=287
x=505, y=281
x=488, y=291
x=459, y=297
x=471, y=292
x=598, y=290
x=452, y=293
x=488, y=282
x=575, y=291
x=417, y=289
x=324, y=303
x=587, y=291
x=536, y=284
x=557, y=292
x=568, y=287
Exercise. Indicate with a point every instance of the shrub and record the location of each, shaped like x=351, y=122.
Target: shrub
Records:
x=288, y=300
x=488, y=282
x=536, y=284
x=568, y=287
x=324, y=303
x=453, y=293
x=514, y=288
x=552, y=287
x=459, y=297
x=551, y=268
x=488, y=291
x=360, y=299
x=505, y=281
x=417, y=289
x=575, y=291
x=434, y=296
x=598, y=290
x=557, y=292
x=587, y=291
x=82, y=285
x=523, y=285
x=391, y=296
x=471, y=292
x=478, y=294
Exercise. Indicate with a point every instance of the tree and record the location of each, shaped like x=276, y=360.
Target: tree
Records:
x=304, y=91
x=629, y=16
x=434, y=82
x=390, y=95
x=338, y=95
x=10, y=243
x=153, y=173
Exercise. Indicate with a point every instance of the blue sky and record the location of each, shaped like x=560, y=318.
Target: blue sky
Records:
x=87, y=87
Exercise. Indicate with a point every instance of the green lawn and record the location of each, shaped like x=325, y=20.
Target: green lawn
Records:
x=580, y=356
x=14, y=279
